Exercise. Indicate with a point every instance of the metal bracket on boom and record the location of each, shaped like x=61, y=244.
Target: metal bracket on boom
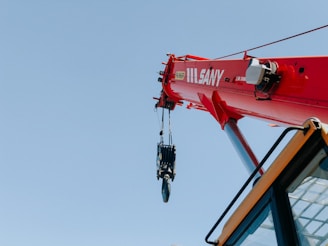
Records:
x=228, y=121
x=165, y=102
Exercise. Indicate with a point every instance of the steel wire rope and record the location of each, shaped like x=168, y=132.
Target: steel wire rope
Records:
x=158, y=120
x=274, y=42
x=170, y=131
x=161, y=133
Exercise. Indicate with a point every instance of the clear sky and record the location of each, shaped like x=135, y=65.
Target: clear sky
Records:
x=78, y=131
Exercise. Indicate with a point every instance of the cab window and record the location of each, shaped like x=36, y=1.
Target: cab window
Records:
x=257, y=229
x=308, y=196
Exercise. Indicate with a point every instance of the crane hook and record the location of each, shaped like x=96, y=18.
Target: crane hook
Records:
x=166, y=154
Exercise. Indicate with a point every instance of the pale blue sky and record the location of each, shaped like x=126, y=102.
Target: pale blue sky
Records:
x=78, y=132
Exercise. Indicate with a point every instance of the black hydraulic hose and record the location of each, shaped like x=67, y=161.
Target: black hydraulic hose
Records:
x=274, y=146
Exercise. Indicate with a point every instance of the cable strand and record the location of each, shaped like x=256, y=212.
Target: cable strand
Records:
x=274, y=42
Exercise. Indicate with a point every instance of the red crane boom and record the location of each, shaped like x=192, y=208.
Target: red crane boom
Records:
x=284, y=90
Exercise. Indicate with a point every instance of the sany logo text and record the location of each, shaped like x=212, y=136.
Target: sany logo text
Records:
x=205, y=77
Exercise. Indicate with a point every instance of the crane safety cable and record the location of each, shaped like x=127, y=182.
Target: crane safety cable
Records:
x=274, y=42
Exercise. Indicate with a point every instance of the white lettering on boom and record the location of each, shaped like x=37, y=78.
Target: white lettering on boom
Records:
x=210, y=77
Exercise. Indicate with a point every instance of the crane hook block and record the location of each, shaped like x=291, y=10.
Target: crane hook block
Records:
x=166, y=160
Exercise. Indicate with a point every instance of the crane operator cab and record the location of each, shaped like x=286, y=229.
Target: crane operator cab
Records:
x=289, y=203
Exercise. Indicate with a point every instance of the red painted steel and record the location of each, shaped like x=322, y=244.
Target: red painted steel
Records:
x=220, y=87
